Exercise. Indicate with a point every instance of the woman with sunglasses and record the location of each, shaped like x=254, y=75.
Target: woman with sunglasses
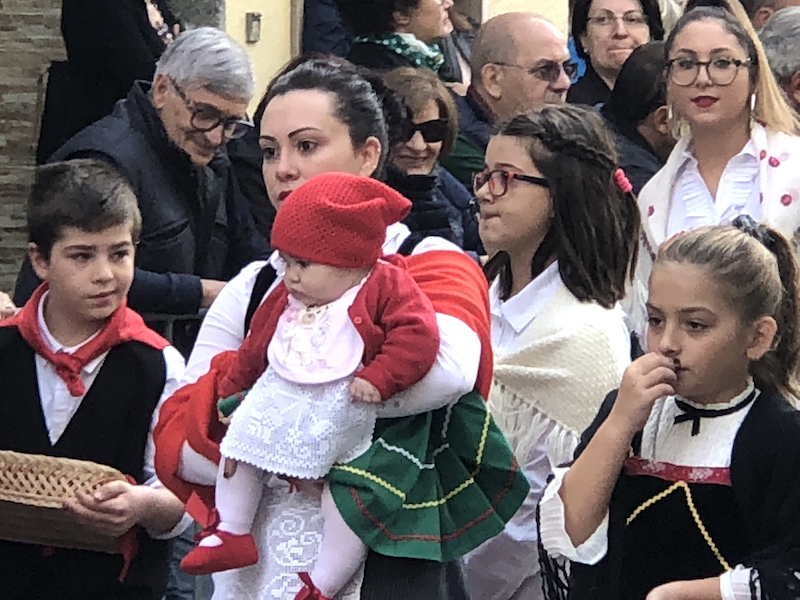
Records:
x=605, y=34
x=441, y=205
x=738, y=150
x=559, y=221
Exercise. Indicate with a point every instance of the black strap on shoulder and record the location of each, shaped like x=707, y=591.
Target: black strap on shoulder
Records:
x=265, y=278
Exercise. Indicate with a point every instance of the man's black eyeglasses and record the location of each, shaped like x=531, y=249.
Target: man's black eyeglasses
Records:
x=206, y=118
x=548, y=71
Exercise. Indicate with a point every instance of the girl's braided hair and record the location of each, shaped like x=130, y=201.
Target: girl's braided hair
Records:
x=595, y=228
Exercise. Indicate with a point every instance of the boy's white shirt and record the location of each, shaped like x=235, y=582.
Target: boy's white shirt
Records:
x=59, y=406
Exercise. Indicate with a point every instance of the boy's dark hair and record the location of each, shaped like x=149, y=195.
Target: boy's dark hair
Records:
x=88, y=194
x=594, y=233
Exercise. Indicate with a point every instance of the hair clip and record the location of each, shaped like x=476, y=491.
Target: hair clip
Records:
x=622, y=182
x=746, y=224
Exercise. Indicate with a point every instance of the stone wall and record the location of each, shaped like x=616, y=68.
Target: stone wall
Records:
x=30, y=38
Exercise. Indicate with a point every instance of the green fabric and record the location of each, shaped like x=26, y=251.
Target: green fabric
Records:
x=432, y=486
x=464, y=160
x=226, y=406
x=397, y=44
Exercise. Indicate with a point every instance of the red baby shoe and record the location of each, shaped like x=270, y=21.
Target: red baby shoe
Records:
x=309, y=591
x=235, y=552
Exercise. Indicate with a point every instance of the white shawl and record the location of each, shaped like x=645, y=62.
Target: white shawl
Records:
x=569, y=358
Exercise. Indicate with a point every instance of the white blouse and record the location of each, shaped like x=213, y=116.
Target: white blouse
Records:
x=663, y=441
x=506, y=566
x=738, y=193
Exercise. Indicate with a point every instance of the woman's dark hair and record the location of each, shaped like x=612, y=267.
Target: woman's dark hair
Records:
x=756, y=267
x=373, y=17
x=640, y=89
x=580, y=21
x=362, y=102
x=594, y=233
x=417, y=87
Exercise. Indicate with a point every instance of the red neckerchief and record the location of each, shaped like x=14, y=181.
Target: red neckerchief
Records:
x=124, y=325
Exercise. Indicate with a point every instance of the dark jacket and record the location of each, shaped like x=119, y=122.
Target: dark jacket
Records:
x=441, y=207
x=195, y=222
x=109, y=46
x=323, y=29
x=458, y=42
x=764, y=461
x=377, y=57
x=636, y=157
x=589, y=89
x=110, y=427
x=246, y=160
x=474, y=130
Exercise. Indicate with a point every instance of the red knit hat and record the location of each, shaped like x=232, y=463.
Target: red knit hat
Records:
x=337, y=219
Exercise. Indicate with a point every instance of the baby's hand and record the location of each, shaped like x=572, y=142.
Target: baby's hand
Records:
x=363, y=391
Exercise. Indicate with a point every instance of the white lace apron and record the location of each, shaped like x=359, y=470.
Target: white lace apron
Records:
x=299, y=418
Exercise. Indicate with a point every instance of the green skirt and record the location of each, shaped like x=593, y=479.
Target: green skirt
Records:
x=432, y=486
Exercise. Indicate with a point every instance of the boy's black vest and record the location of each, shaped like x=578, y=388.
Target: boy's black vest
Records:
x=110, y=427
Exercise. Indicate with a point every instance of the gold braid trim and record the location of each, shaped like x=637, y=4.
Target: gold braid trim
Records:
x=692, y=509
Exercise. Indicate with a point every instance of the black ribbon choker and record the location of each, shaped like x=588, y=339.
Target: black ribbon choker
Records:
x=690, y=413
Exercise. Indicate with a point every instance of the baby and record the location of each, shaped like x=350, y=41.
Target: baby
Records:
x=344, y=331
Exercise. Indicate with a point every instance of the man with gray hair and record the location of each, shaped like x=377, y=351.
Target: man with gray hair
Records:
x=520, y=62
x=168, y=138
x=781, y=39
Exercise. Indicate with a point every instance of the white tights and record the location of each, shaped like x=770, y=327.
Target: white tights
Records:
x=341, y=552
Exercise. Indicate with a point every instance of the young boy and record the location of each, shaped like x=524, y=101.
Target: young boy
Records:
x=82, y=377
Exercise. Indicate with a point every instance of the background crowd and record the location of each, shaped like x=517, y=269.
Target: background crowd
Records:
x=555, y=184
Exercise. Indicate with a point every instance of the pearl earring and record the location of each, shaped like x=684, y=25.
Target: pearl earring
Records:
x=669, y=111
x=752, y=102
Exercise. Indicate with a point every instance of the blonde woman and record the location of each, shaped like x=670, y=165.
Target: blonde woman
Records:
x=738, y=151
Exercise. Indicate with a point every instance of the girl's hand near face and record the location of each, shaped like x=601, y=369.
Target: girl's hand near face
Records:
x=645, y=380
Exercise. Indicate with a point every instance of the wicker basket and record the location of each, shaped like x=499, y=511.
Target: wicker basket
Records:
x=33, y=489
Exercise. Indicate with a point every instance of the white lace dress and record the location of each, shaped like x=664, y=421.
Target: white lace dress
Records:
x=299, y=419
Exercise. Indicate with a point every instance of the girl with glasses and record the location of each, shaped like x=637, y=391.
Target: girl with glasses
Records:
x=738, y=150
x=559, y=221
x=440, y=204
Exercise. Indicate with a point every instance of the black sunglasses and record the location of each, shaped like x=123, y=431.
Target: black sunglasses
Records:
x=432, y=131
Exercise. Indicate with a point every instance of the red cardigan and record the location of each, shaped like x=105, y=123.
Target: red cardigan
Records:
x=391, y=314
x=451, y=280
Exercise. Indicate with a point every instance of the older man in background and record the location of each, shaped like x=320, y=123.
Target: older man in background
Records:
x=168, y=138
x=781, y=39
x=520, y=62
x=760, y=11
